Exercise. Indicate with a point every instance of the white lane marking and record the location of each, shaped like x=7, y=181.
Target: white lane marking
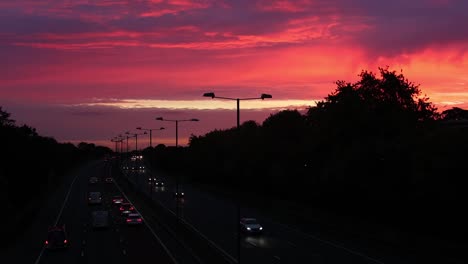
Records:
x=124, y=252
x=231, y=258
x=276, y=257
x=84, y=242
x=291, y=243
x=82, y=253
x=331, y=243
x=252, y=243
x=149, y=227
x=58, y=216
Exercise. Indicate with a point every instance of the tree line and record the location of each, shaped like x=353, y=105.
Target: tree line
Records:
x=374, y=147
x=32, y=167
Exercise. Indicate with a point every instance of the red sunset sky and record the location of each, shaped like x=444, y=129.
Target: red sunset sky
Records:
x=86, y=70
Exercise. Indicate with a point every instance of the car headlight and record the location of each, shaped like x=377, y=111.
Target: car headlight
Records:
x=248, y=228
x=261, y=228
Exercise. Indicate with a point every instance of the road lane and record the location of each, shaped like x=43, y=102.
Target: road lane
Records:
x=27, y=246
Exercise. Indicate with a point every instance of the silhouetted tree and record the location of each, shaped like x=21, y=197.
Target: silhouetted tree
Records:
x=455, y=113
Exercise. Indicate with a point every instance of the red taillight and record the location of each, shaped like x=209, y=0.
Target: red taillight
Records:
x=47, y=242
x=131, y=208
x=139, y=219
x=128, y=220
x=121, y=208
x=65, y=241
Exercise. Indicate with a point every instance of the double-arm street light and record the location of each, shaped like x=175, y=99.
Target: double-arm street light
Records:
x=262, y=97
x=116, y=141
x=135, y=135
x=124, y=137
x=177, y=125
x=151, y=134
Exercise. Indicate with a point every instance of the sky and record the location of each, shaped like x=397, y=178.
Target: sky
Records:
x=86, y=70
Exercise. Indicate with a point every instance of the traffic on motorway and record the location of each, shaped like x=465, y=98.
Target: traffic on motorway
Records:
x=126, y=212
x=97, y=223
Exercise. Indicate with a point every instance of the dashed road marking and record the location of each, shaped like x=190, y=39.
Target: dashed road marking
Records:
x=252, y=243
x=82, y=253
x=84, y=242
x=291, y=243
x=276, y=257
x=124, y=252
x=149, y=227
x=331, y=244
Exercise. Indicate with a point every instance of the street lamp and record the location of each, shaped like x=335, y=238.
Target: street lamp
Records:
x=262, y=97
x=177, y=145
x=135, y=135
x=150, y=130
x=115, y=140
x=177, y=125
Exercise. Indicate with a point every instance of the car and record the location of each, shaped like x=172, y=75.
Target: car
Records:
x=56, y=238
x=251, y=226
x=94, y=198
x=126, y=208
x=100, y=219
x=179, y=194
x=93, y=180
x=117, y=199
x=151, y=180
x=159, y=183
x=134, y=219
x=109, y=180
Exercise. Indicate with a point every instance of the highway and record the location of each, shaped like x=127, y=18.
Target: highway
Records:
x=215, y=218
x=209, y=218
x=116, y=244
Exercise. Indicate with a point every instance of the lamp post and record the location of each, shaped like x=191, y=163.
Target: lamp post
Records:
x=151, y=132
x=177, y=125
x=262, y=97
x=115, y=141
x=135, y=135
x=177, y=145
